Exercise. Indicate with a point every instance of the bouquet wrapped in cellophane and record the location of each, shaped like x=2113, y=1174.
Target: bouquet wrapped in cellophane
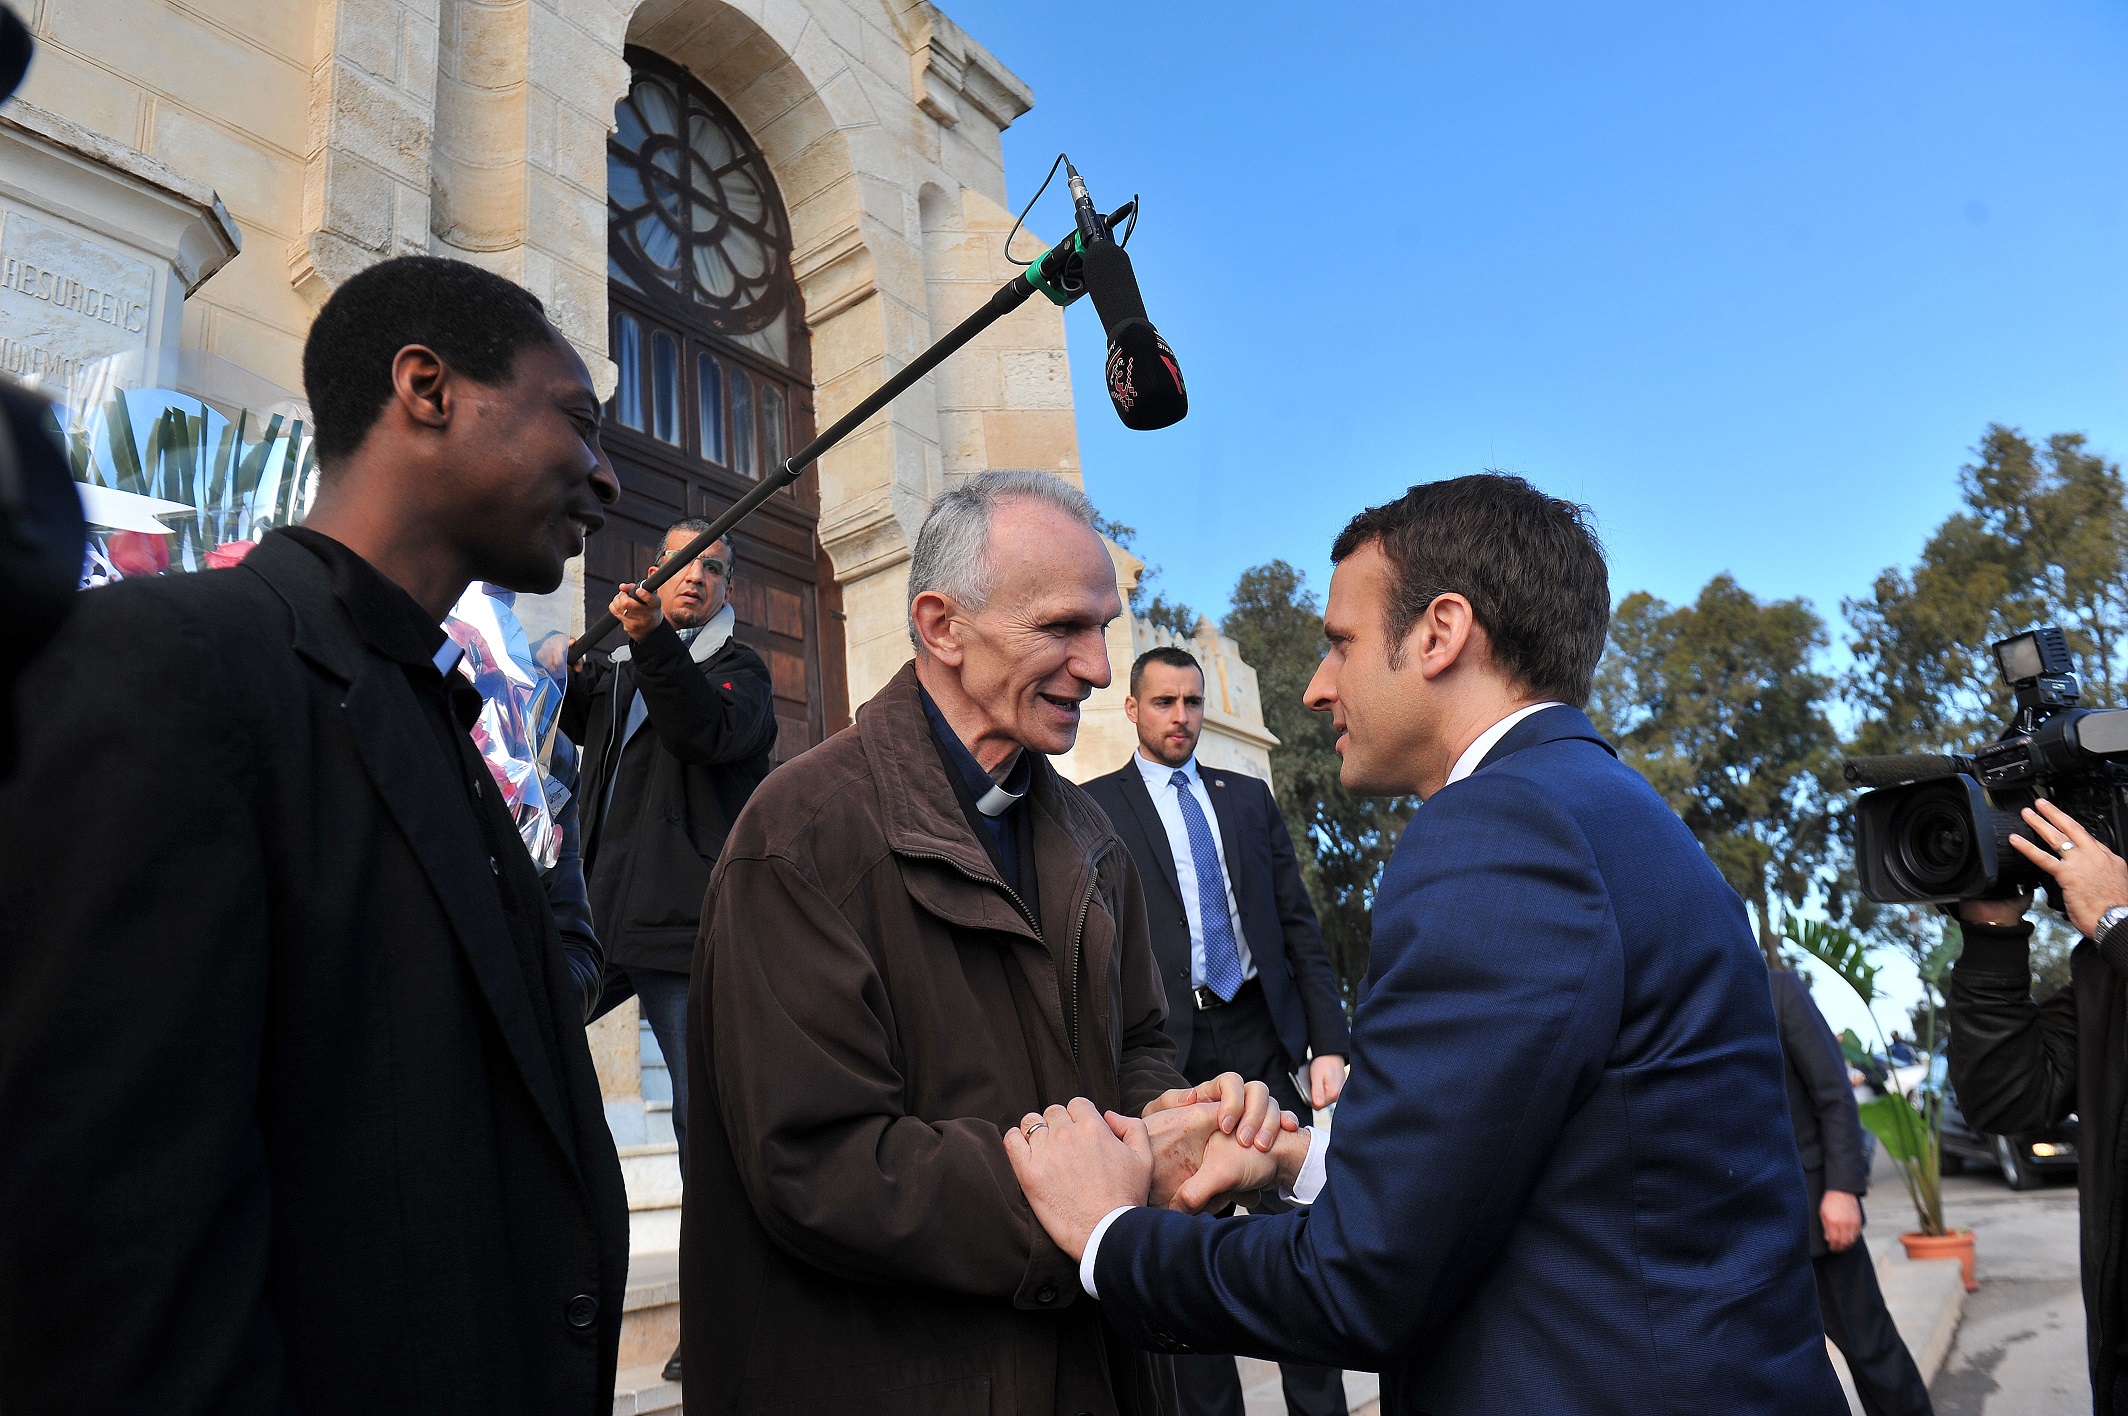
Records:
x=521, y=705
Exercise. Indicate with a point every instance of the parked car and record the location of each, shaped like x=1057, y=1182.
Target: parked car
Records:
x=2025, y=1160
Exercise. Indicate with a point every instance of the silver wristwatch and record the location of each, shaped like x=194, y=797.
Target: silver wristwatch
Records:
x=2109, y=919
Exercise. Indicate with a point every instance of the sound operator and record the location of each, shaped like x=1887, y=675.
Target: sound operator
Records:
x=2020, y=1064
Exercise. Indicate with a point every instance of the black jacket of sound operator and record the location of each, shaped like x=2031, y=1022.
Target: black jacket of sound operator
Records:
x=2019, y=1065
x=659, y=802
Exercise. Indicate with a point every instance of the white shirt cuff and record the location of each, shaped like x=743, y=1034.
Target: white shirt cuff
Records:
x=1093, y=1248
x=1309, y=1183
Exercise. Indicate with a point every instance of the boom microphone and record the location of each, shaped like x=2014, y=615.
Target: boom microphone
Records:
x=1892, y=771
x=1144, y=381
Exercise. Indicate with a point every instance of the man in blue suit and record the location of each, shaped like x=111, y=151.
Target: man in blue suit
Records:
x=1563, y=1177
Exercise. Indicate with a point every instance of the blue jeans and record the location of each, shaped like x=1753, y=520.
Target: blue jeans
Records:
x=663, y=994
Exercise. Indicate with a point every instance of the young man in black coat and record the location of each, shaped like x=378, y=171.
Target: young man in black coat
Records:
x=1249, y=984
x=1828, y=1132
x=676, y=726
x=296, y=1111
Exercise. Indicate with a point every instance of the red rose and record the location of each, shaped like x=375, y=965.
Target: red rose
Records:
x=138, y=552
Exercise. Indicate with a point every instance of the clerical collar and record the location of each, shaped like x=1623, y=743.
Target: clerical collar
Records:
x=992, y=797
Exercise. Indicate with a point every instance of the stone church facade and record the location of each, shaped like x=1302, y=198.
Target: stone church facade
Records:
x=744, y=215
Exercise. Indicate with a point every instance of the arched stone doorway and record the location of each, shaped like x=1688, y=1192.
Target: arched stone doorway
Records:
x=715, y=379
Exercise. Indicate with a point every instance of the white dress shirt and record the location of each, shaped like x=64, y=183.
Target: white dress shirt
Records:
x=1160, y=783
x=1308, y=1184
x=1487, y=740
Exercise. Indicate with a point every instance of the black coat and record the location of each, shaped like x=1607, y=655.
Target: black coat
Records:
x=2020, y=1065
x=280, y=1121
x=1821, y=1105
x=712, y=726
x=1277, y=921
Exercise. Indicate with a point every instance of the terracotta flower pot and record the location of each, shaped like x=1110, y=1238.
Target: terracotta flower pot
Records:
x=1956, y=1245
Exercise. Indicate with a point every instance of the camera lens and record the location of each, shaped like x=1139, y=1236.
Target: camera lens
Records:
x=1934, y=842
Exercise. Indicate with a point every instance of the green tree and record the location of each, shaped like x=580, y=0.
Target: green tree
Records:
x=2042, y=538
x=1154, y=607
x=1720, y=705
x=1343, y=840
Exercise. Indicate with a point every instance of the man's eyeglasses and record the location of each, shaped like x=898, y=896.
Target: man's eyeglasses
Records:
x=708, y=561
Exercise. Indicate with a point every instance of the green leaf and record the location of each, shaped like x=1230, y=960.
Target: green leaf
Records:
x=1940, y=958
x=1893, y=1120
x=1836, y=948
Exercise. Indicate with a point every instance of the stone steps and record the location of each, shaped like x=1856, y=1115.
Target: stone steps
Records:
x=650, y=1330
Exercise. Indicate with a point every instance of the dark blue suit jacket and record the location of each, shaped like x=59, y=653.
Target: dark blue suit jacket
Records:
x=1563, y=1177
x=1277, y=920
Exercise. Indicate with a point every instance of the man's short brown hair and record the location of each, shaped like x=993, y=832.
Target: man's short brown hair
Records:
x=1163, y=654
x=1529, y=564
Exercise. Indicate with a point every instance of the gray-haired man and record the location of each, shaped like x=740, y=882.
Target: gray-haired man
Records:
x=918, y=934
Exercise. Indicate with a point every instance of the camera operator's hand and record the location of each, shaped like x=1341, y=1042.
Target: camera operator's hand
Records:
x=2089, y=879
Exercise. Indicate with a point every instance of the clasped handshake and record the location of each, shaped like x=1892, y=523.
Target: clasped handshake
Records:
x=1196, y=1149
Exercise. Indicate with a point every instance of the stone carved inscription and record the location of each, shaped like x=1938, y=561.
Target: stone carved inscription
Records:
x=66, y=300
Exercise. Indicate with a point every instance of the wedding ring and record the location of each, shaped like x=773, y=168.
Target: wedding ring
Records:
x=2065, y=847
x=1029, y=1132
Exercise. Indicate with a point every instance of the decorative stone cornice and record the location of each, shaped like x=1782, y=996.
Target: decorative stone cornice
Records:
x=180, y=216
x=835, y=275
x=949, y=69
x=864, y=539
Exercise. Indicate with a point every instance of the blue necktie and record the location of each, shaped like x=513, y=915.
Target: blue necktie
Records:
x=1222, y=954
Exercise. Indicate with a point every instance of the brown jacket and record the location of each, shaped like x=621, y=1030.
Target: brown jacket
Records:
x=870, y=1009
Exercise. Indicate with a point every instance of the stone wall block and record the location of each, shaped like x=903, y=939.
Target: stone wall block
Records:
x=811, y=171
x=851, y=341
x=410, y=220
x=724, y=56
x=381, y=125
x=961, y=444
x=366, y=36
x=358, y=201
x=577, y=305
x=785, y=21
x=580, y=149
x=800, y=130
x=603, y=20
x=774, y=92
x=477, y=208
x=261, y=185
x=542, y=141
x=271, y=24
x=569, y=63
x=418, y=48
x=492, y=42
x=1036, y=439
x=198, y=65
x=1036, y=378
x=89, y=94
x=561, y=218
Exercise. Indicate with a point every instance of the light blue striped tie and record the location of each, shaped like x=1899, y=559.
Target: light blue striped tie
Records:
x=1222, y=953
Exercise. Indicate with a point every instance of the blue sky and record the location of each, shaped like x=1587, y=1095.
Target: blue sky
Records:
x=1749, y=280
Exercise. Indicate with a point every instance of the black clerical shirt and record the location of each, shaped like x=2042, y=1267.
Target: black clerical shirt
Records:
x=1004, y=834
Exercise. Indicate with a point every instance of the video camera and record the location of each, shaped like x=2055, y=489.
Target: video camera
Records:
x=1943, y=833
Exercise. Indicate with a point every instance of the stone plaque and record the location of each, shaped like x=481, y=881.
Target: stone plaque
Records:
x=66, y=299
